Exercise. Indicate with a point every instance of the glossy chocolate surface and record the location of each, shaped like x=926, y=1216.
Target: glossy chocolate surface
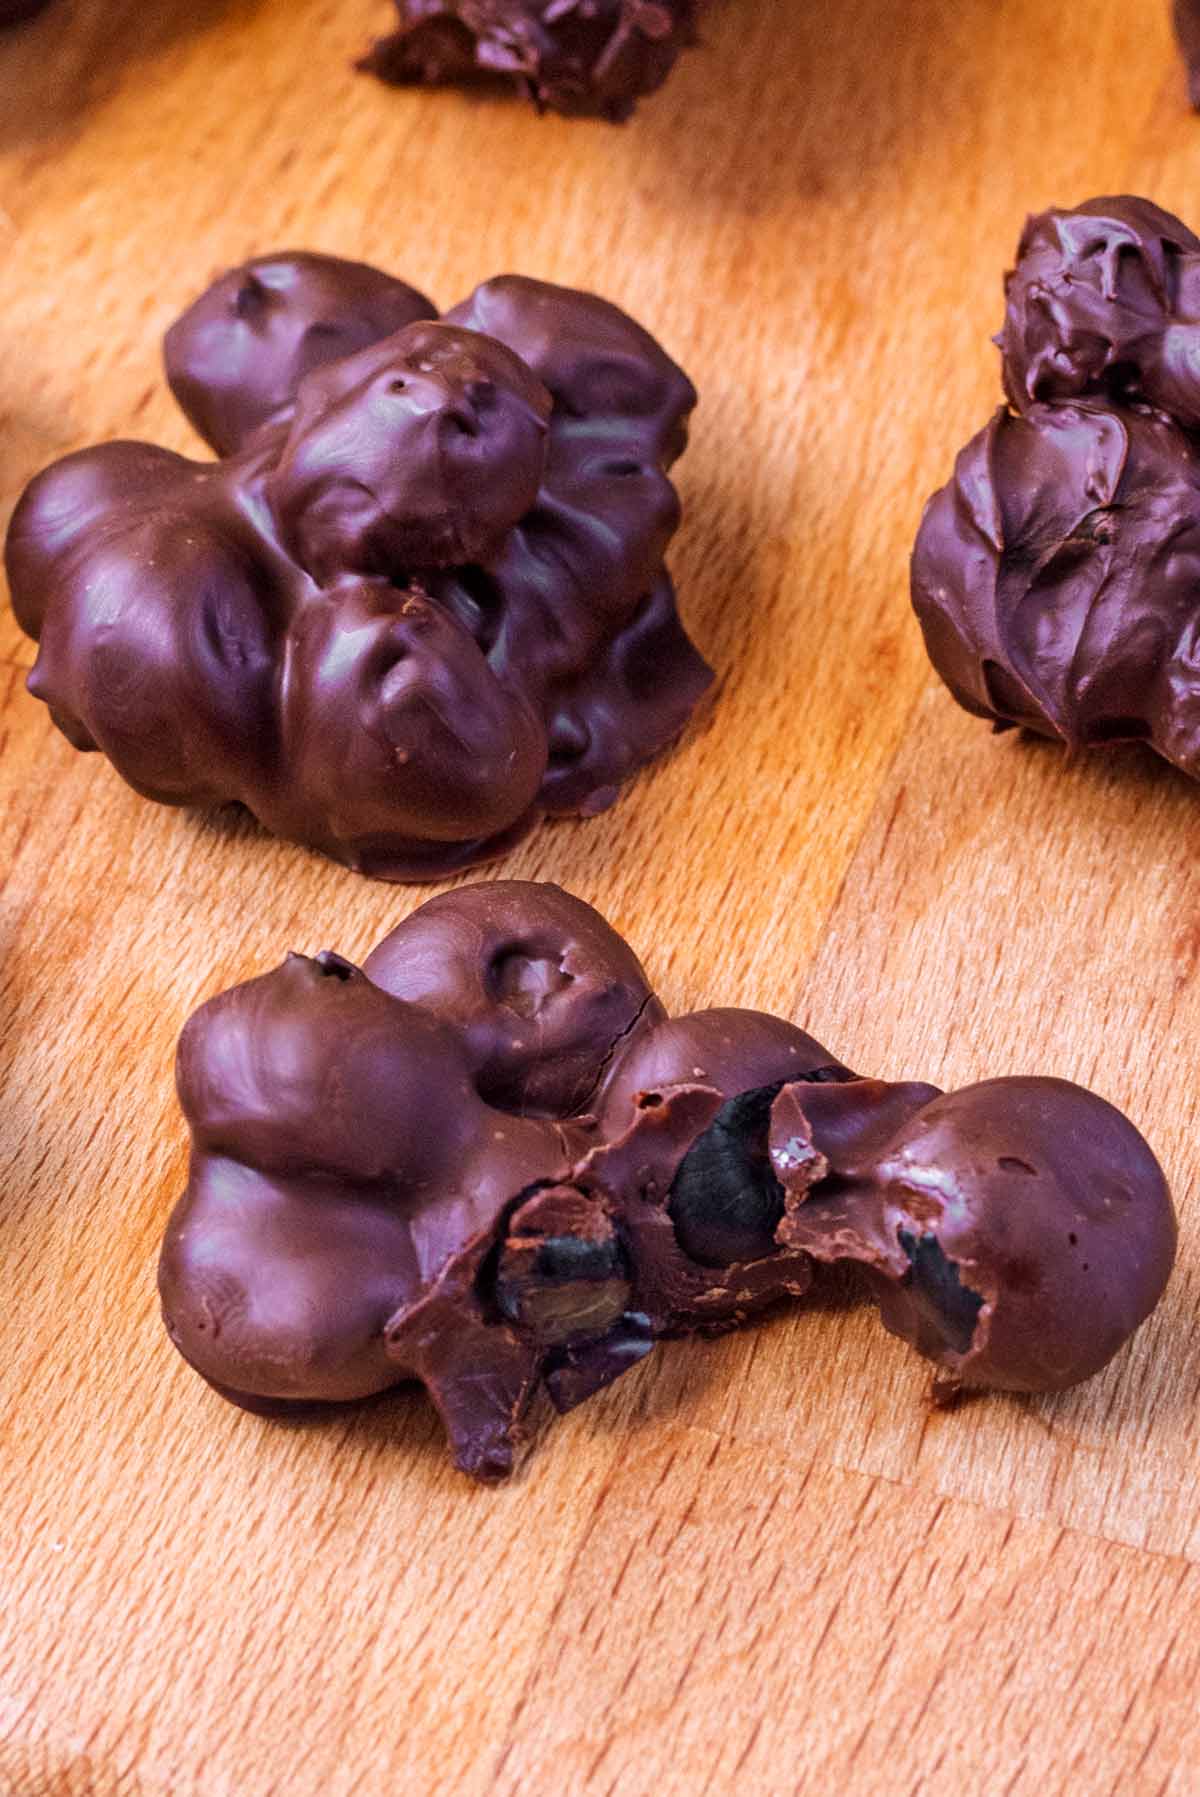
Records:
x=1056, y=576
x=236, y=357
x=419, y=603
x=570, y=56
x=489, y=1161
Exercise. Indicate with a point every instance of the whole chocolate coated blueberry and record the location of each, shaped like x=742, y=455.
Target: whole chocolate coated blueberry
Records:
x=1104, y=303
x=570, y=56
x=420, y=603
x=539, y=994
x=1054, y=577
x=236, y=357
x=490, y=1162
x=422, y=451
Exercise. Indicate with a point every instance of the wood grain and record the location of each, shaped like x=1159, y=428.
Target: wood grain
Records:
x=762, y=1565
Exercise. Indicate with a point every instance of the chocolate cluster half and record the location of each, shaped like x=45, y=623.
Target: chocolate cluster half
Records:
x=570, y=56
x=1057, y=576
x=490, y=1161
x=420, y=600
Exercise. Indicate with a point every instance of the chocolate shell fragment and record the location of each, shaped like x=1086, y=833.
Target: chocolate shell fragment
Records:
x=489, y=1161
x=1057, y=576
x=419, y=603
x=569, y=56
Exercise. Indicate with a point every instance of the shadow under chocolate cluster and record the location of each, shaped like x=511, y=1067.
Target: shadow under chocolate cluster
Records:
x=490, y=1161
x=419, y=603
x=570, y=56
x=1057, y=577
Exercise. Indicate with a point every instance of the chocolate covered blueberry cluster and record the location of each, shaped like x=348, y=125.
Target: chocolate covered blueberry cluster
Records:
x=420, y=600
x=1057, y=577
x=490, y=1161
x=570, y=56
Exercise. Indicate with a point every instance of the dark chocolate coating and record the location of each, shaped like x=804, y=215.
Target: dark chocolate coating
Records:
x=421, y=601
x=1187, y=26
x=490, y=1162
x=1055, y=577
x=569, y=56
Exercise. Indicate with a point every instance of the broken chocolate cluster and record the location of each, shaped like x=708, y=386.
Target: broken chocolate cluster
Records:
x=420, y=601
x=1057, y=577
x=490, y=1161
x=571, y=56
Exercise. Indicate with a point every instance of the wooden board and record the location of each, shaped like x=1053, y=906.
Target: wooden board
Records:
x=759, y=1566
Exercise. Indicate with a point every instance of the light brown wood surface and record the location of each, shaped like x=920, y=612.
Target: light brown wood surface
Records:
x=757, y=1566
